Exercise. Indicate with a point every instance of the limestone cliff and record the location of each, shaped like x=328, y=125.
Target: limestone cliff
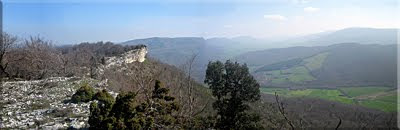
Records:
x=138, y=55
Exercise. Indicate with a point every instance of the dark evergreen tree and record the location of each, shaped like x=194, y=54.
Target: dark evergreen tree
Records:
x=127, y=113
x=233, y=87
x=99, y=112
x=158, y=111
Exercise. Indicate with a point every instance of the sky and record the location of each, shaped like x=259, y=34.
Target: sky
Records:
x=75, y=21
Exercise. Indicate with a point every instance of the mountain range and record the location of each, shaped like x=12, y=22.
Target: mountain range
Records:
x=346, y=64
x=352, y=56
x=348, y=35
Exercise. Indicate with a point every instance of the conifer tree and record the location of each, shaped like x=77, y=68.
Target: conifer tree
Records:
x=127, y=113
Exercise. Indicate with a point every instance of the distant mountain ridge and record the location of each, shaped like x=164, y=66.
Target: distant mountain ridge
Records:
x=257, y=53
x=348, y=35
x=172, y=51
x=347, y=64
x=166, y=41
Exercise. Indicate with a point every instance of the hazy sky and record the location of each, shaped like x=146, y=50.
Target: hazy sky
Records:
x=74, y=21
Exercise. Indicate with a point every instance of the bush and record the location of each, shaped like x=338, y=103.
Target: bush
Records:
x=104, y=96
x=203, y=122
x=127, y=113
x=84, y=94
x=119, y=115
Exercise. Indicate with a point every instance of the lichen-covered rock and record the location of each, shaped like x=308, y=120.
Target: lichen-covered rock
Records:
x=44, y=104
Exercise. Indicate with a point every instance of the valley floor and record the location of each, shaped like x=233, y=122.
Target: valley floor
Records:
x=375, y=97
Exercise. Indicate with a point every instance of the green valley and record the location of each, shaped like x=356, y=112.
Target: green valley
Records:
x=375, y=97
x=295, y=71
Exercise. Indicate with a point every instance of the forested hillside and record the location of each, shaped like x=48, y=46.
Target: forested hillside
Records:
x=176, y=51
x=347, y=64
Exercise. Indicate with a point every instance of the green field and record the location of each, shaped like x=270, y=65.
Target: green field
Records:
x=280, y=91
x=294, y=72
x=390, y=97
x=381, y=98
x=360, y=91
x=300, y=73
x=332, y=95
x=293, y=75
x=315, y=62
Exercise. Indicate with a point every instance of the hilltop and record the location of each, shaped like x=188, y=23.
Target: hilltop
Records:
x=44, y=102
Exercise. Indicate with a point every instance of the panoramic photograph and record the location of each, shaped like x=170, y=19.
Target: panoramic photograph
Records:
x=199, y=64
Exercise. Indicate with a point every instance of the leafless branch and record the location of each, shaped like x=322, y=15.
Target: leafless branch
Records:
x=338, y=125
x=282, y=111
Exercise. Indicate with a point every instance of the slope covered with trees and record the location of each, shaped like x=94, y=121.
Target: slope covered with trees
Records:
x=347, y=64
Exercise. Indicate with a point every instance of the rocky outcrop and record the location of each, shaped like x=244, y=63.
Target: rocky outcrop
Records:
x=44, y=104
x=138, y=55
x=135, y=55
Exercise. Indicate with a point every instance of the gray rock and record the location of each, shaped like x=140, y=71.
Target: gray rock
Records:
x=35, y=103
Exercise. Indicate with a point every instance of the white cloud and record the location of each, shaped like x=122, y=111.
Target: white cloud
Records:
x=311, y=9
x=275, y=17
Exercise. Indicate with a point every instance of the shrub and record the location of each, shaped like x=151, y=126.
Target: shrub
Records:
x=104, y=96
x=84, y=94
x=127, y=113
x=203, y=122
x=120, y=116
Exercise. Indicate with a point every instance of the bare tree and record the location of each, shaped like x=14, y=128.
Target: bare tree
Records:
x=42, y=56
x=93, y=67
x=190, y=86
x=143, y=77
x=191, y=106
x=34, y=59
x=281, y=109
x=6, y=43
x=340, y=123
x=65, y=61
